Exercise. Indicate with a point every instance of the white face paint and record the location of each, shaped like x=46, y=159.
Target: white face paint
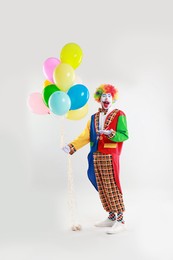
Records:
x=106, y=100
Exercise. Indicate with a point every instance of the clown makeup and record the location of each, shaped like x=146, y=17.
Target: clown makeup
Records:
x=106, y=100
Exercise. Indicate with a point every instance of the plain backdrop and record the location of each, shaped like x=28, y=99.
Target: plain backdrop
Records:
x=127, y=44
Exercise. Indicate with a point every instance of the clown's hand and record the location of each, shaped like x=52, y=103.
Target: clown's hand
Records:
x=66, y=149
x=105, y=132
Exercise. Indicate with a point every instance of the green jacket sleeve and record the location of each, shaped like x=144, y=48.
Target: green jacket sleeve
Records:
x=121, y=132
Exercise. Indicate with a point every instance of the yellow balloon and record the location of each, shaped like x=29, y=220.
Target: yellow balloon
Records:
x=71, y=54
x=47, y=83
x=78, y=113
x=64, y=76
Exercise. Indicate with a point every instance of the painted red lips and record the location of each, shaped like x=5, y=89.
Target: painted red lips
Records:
x=106, y=103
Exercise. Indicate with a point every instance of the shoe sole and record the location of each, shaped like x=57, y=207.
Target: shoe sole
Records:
x=106, y=225
x=116, y=232
x=102, y=226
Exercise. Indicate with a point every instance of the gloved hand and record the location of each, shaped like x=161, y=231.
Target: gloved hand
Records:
x=66, y=149
x=105, y=132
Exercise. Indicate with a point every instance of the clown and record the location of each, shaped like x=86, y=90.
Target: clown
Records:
x=106, y=132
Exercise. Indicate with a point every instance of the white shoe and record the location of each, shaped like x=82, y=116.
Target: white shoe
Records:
x=116, y=228
x=106, y=223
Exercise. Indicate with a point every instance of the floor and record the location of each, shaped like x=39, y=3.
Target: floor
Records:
x=148, y=236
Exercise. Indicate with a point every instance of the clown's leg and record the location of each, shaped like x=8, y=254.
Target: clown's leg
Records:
x=120, y=217
x=118, y=226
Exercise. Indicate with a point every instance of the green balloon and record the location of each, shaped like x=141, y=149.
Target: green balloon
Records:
x=48, y=91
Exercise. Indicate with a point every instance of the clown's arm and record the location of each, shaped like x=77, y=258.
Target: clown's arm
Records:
x=121, y=132
x=80, y=141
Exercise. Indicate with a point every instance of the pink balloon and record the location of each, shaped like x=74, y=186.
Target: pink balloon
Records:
x=48, y=68
x=36, y=104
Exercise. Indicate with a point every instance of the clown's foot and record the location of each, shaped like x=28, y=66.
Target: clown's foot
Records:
x=116, y=228
x=106, y=223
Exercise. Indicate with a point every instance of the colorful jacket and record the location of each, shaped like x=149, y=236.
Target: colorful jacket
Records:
x=112, y=144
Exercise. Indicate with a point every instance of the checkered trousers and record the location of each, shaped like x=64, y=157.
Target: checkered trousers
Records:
x=110, y=196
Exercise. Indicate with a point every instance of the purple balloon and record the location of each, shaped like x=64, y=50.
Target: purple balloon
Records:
x=49, y=66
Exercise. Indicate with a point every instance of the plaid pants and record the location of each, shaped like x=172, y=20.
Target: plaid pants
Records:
x=110, y=196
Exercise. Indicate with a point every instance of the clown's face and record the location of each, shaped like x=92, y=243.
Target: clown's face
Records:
x=106, y=100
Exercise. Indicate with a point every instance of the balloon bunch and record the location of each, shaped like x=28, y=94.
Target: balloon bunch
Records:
x=60, y=95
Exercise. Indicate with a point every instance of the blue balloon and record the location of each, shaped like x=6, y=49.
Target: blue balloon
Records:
x=79, y=96
x=59, y=103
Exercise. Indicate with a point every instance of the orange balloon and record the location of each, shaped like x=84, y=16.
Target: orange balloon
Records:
x=47, y=83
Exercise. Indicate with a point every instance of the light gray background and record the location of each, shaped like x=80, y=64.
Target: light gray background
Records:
x=126, y=43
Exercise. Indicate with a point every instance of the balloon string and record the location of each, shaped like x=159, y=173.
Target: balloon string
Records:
x=62, y=133
x=70, y=183
x=71, y=193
